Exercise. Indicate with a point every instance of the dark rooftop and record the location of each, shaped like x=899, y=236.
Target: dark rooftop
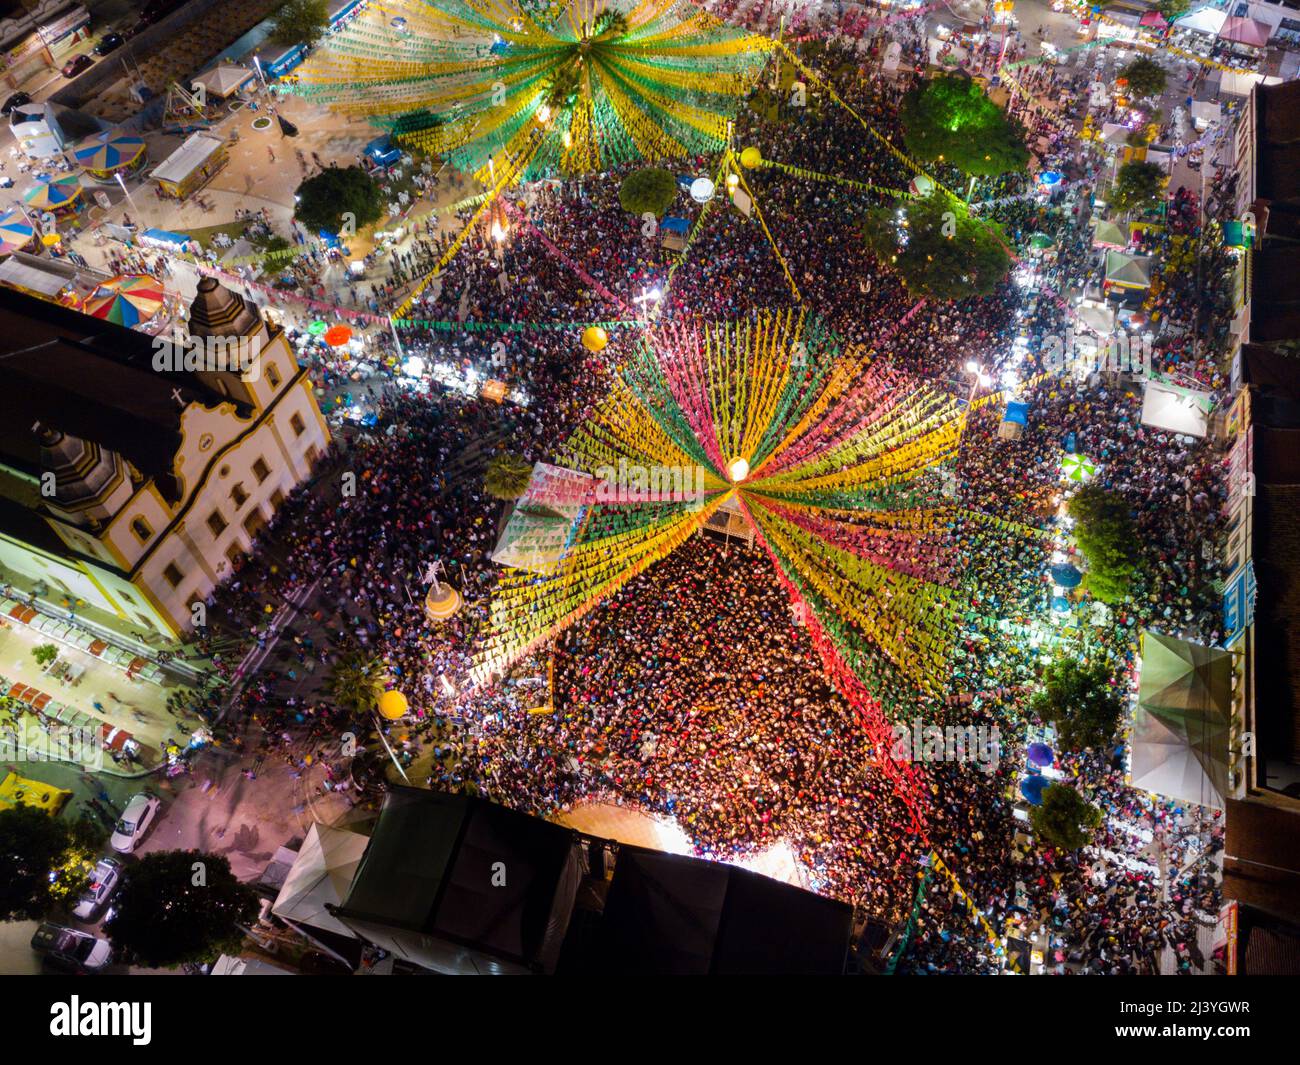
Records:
x=91, y=379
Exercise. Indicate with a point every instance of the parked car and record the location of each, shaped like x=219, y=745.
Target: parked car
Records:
x=103, y=882
x=76, y=65
x=16, y=100
x=134, y=822
x=69, y=949
x=110, y=42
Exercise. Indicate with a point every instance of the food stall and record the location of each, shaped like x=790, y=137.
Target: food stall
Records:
x=191, y=166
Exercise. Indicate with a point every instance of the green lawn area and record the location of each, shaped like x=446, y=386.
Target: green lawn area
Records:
x=234, y=230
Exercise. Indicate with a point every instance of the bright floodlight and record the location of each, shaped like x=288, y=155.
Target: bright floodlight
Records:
x=737, y=470
x=972, y=366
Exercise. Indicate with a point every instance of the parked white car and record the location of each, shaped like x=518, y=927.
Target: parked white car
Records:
x=131, y=827
x=103, y=882
x=71, y=950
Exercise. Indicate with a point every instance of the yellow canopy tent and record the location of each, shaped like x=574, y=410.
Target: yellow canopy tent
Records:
x=35, y=793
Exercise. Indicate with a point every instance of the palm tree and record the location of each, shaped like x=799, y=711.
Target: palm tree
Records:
x=507, y=476
x=357, y=681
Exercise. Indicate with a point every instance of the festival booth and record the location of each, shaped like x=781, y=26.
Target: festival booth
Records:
x=165, y=239
x=383, y=152
x=277, y=61
x=44, y=130
x=223, y=80
x=108, y=154
x=1014, y=420
x=47, y=279
x=191, y=166
x=1108, y=234
x=1174, y=409
x=1128, y=271
x=674, y=233
x=1181, y=725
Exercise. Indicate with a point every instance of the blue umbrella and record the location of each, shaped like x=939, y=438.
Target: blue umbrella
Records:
x=1032, y=789
x=1039, y=754
x=1066, y=575
x=1060, y=603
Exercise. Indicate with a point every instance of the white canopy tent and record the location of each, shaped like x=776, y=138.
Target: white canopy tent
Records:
x=223, y=80
x=1240, y=83
x=321, y=876
x=1205, y=113
x=1203, y=20
x=1181, y=724
x=1176, y=410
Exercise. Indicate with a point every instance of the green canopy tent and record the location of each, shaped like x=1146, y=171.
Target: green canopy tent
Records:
x=1179, y=743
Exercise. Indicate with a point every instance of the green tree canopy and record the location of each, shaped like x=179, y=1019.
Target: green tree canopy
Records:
x=1065, y=820
x=949, y=119
x=45, y=652
x=179, y=906
x=1137, y=186
x=1145, y=77
x=507, y=476
x=357, y=680
x=325, y=200
x=943, y=252
x=300, y=22
x=650, y=189
x=1080, y=702
x=32, y=845
x=1106, y=535
x=1172, y=9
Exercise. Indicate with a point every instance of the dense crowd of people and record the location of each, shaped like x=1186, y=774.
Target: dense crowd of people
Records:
x=694, y=692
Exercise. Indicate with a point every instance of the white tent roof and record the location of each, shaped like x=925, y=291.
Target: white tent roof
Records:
x=321, y=875
x=1203, y=20
x=1179, y=742
x=224, y=79
x=32, y=278
x=1175, y=410
x=186, y=159
x=1207, y=111
x=1240, y=83
x=1114, y=132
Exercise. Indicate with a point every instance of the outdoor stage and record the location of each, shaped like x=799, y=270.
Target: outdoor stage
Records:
x=630, y=825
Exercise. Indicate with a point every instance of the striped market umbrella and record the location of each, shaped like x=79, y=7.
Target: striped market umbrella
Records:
x=15, y=232
x=51, y=195
x=1078, y=468
x=108, y=151
x=127, y=300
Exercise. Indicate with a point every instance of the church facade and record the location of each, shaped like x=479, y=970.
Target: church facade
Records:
x=143, y=479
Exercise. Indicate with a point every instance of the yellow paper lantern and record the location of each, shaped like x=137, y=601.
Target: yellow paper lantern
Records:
x=594, y=338
x=751, y=158
x=392, y=705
